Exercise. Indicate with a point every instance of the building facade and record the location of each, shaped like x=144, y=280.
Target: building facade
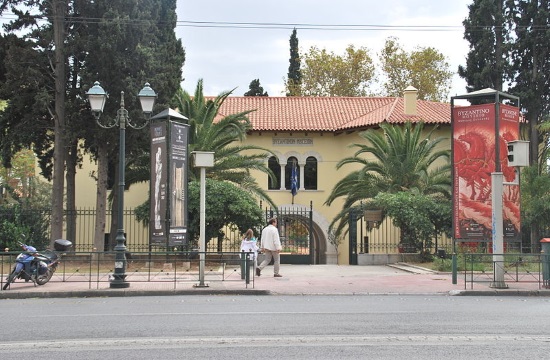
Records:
x=309, y=136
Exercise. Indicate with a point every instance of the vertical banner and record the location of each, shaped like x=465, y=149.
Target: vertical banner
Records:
x=474, y=159
x=178, y=183
x=158, y=189
x=473, y=163
x=509, y=131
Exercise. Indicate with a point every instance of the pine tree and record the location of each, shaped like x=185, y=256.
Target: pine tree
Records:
x=294, y=82
x=255, y=89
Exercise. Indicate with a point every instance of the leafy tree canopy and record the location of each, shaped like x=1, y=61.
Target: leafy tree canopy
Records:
x=225, y=204
x=329, y=74
x=425, y=68
x=419, y=217
x=233, y=160
x=535, y=202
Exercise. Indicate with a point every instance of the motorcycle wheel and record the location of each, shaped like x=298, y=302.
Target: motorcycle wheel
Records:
x=44, y=278
x=9, y=280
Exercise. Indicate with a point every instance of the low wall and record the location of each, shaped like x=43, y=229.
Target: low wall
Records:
x=383, y=259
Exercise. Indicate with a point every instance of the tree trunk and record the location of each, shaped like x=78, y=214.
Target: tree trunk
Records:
x=101, y=200
x=59, y=10
x=533, y=116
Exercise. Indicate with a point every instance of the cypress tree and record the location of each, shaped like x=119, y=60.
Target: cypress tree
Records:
x=484, y=30
x=255, y=89
x=294, y=82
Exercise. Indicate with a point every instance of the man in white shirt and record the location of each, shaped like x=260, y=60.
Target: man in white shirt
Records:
x=271, y=247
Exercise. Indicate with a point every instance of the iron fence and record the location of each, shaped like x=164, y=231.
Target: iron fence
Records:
x=384, y=238
x=80, y=230
x=524, y=270
x=176, y=268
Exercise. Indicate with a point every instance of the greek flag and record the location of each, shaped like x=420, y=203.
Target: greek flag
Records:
x=293, y=180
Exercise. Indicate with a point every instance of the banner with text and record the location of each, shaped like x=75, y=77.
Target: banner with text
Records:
x=158, y=185
x=474, y=159
x=178, y=183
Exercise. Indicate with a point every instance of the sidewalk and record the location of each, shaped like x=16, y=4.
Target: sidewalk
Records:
x=296, y=280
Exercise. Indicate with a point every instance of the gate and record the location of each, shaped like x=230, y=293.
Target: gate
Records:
x=297, y=236
x=354, y=217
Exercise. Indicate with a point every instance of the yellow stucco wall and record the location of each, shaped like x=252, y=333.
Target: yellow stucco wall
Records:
x=86, y=193
x=328, y=148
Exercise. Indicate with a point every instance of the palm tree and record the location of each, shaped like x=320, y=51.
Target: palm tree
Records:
x=209, y=131
x=404, y=161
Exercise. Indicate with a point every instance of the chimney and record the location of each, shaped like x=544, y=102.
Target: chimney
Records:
x=410, y=95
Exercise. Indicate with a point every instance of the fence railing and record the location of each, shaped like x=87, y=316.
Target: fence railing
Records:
x=80, y=230
x=177, y=268
x=385, y=237
x=520, y=269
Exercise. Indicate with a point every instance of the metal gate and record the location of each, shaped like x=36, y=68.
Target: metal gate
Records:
x=354, y=217
x=296, y=233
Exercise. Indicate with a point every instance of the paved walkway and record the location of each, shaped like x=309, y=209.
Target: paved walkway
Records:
x=296, y=280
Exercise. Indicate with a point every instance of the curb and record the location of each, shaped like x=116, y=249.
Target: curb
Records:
x=4, y=295
x=525, y=293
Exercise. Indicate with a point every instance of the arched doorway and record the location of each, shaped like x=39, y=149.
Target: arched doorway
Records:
x=303, y=239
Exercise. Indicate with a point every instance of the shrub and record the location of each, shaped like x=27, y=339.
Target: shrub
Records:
x=29, y=226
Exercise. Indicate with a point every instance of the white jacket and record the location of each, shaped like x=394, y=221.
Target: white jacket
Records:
x=249, y=246
x=270, y=238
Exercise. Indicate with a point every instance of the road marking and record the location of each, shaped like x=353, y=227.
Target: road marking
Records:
x=273, y=341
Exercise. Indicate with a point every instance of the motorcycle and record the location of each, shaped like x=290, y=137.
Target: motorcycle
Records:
x=35, y=266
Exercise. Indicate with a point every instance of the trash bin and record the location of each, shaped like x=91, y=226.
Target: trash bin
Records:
x=545, y=262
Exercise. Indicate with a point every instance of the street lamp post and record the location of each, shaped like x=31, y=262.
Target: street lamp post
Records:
x=97, y=98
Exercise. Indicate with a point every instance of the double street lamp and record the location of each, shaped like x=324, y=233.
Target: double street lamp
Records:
x=97, y=98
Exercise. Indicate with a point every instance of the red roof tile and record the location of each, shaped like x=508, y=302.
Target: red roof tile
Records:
x=330, y=113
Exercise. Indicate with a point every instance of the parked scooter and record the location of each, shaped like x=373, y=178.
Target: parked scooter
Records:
x=35, y=266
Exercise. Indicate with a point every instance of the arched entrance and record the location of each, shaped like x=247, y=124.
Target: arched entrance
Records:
x=302, y=238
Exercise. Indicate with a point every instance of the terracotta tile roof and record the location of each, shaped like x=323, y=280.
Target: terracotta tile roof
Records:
x=330, y=113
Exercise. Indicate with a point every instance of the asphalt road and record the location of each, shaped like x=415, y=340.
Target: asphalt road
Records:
x=276, y=327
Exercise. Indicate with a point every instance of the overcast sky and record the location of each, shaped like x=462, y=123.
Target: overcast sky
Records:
x=226, y=53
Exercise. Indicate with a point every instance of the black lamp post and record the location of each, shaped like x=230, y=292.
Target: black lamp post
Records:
x=97, y=98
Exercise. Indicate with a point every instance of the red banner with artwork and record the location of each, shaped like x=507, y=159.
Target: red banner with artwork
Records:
x=509, y=131
x=474, y=159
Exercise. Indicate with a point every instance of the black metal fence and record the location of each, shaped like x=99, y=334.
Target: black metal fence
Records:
x=522, y=270
x=176, y=268
x=80, y=230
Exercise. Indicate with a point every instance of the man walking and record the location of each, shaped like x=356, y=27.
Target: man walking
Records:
x=271, y=247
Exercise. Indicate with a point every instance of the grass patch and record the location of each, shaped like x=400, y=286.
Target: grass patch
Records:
x=484, y=263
